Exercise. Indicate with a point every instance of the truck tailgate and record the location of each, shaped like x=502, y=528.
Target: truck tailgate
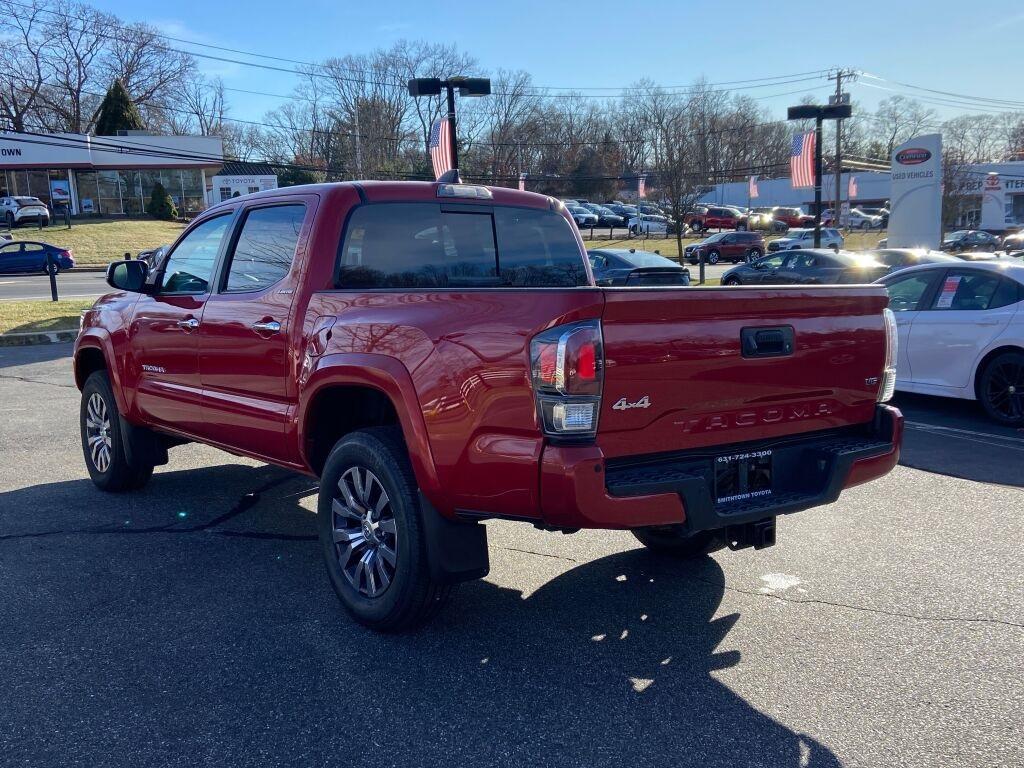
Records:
x=678, y=376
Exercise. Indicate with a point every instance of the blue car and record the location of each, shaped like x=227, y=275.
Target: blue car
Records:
x=628, y=266
x=20, y=256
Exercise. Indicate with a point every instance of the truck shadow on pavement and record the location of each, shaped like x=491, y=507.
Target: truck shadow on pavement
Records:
x=193, y=623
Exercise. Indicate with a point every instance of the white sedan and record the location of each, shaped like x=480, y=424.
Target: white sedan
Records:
x=961, y=333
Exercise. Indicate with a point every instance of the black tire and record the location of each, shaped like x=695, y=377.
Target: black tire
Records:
x=410, y=596
x=732, y=280
x=713, y=257
x=1001, y=388
x=103, y=441
x=754, y=253
x=671, y=540
x=10, y=220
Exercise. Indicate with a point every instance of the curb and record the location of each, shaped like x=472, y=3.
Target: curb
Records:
x=43, y=337
x=87, y=269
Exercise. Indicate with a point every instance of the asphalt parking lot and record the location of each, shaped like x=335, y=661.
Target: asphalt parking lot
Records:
x=192, y=623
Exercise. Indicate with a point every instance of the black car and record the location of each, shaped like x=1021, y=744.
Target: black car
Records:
x=814, y=265
x=969, y=240
x=627, y=212
x=899, y=258
x=605, y=216
x=622, y=266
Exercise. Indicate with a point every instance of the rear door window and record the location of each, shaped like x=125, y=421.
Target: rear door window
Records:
x=427, y=246
x=265, y=248
x=966, y=291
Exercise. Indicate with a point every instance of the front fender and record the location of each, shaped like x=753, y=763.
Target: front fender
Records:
x=391, y=378
x=99, y=338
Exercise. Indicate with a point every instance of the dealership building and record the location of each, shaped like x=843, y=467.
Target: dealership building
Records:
x=109, y=175
x=873, y=190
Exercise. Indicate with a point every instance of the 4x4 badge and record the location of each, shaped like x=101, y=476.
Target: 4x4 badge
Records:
x=622, y=405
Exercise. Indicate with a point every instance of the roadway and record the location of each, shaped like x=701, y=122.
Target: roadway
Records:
x=191, y=622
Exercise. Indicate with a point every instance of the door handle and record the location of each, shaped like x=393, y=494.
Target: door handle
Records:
x=268, y=326
x=188, y=325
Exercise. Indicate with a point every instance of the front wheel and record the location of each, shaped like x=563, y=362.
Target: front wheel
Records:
x=371, y=532
x=713, y=257
x=754, y=253
x=1001, y=388
x=731, y=281
x=103, y=440
x=672, y=540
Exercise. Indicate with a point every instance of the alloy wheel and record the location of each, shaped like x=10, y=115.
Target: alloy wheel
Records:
x=1005, y=389
x=97, y=431
x=365, y=533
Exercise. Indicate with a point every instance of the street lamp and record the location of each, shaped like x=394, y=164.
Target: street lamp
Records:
x=466, y=86
x=818, y=113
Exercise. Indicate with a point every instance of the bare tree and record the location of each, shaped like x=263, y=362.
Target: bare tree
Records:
x=23, y=53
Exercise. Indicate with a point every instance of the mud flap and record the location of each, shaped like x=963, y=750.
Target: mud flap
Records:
x=457, y=550
x=141, y=445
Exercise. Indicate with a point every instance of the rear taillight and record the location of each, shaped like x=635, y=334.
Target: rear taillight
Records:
x=888, y=383
x=568, y=374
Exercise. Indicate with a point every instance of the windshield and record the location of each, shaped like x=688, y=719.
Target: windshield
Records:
x=715, y=238
x=958, y=235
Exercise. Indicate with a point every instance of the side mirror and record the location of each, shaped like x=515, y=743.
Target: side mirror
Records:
x=128, y=276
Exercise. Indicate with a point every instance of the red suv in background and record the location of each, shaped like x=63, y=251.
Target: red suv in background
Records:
x=733, y=246
x=704, y=218
x=791, y=217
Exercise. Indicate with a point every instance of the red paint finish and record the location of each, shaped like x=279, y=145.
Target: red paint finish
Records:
x=681, y=350
x=455, y=365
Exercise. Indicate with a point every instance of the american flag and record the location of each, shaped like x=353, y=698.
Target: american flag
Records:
x=440, y=146
x=801, y=160
x=522, y=182
x=641, y=186
x=851, y=187
x=752, y=187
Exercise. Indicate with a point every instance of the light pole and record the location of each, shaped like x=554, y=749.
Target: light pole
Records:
x=818, y=113
x=466, y=86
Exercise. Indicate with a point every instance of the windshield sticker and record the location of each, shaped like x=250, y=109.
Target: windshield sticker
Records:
x=945, y=300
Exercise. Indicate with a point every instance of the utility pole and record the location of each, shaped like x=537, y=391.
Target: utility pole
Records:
x=839, y=98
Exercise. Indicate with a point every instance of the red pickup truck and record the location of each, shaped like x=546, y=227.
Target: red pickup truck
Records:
x=439, y=355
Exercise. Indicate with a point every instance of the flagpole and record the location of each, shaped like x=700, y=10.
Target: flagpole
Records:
x=451, y=126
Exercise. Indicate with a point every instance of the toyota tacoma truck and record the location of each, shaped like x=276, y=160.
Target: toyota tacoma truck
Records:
x=438, y=355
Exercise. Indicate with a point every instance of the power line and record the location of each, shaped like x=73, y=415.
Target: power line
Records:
x=540, y=91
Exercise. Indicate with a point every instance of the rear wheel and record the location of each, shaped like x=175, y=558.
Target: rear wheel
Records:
x=103, y=439
x=672, y=540
x=10, y=220
x=371, y=532
x=1001, y=388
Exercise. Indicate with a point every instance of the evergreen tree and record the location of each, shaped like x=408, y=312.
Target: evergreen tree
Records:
x=160, y=204
x=118, y=112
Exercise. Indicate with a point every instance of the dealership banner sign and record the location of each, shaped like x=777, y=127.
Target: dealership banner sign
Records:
x=915, y=219
x=996, y=206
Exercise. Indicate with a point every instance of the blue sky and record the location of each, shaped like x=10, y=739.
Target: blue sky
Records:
x=944, y=45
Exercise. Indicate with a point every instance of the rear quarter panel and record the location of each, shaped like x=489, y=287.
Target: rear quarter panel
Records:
x=467, y=353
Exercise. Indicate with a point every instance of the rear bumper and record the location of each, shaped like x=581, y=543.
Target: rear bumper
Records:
x=579, y=489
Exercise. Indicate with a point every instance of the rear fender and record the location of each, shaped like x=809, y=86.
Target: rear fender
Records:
x=391, y=378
